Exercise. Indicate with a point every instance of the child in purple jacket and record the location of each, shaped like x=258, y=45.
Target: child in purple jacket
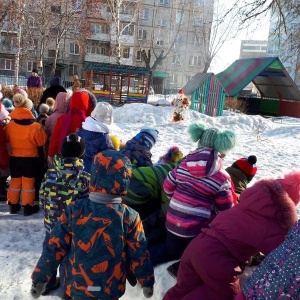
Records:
x=198, y=189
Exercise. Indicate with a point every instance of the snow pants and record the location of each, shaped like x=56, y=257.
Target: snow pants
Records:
x=22, y=180
x=207, y=271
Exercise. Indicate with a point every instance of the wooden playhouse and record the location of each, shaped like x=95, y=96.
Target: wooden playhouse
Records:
x=206, y=93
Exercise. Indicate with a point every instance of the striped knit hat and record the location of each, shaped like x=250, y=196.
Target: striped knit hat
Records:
x=150, y=135
x=110, y=173
x=222, y=141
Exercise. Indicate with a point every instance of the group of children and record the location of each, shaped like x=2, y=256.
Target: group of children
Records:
x=142, y=214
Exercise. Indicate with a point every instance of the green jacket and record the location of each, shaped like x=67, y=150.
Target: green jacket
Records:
x=146, y=188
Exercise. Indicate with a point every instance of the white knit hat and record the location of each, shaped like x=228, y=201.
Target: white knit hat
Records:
x=103, y=113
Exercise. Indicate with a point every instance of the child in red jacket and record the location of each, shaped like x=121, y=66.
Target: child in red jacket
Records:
x=211, y=263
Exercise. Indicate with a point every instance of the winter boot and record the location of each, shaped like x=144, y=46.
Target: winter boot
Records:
x=14, y=208
x=130, y=277
x=52, y=287
x=3, y=188
x=173, y=269
x=66, y=297
x=29, y=210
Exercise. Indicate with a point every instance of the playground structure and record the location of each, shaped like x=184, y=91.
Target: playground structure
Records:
x=206, y=93
x=278, y=93
x=117, y=84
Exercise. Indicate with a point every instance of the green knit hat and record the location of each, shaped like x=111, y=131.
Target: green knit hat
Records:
x=223, y=141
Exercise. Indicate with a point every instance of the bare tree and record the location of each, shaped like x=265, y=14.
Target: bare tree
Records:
x=53, y=23
x=167, y=23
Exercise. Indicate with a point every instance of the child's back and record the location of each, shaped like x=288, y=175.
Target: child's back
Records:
x=138, y=148
x=101, y=236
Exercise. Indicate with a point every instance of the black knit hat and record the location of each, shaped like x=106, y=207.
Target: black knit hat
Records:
x=73, y=146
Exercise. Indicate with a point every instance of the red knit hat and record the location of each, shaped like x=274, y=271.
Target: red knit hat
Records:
x=247, y=165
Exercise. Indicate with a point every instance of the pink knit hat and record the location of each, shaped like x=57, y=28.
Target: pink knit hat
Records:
x=291, y=184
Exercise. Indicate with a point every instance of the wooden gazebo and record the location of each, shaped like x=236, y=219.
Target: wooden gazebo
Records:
x=117, y=83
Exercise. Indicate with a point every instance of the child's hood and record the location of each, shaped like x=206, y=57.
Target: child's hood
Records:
x=68, y=168
x=91, y=124
x=203, y=162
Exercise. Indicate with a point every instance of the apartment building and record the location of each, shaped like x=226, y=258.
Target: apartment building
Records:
x=253, y=48
x=284, y=39
x=177, y=30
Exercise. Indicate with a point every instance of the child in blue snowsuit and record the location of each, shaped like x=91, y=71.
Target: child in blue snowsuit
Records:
x=138, y=148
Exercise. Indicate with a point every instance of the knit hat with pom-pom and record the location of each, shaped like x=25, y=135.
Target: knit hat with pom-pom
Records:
x=222, y=141
x=247, y=166
x=73, y=146
x=291, y=184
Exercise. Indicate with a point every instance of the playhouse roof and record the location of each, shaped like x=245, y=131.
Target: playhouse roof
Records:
x=267, y=74
x=195, y=82
x=119, y=69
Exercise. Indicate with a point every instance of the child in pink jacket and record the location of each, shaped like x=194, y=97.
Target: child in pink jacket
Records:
x=211, y=263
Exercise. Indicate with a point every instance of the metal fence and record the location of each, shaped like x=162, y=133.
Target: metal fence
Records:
x=10, y=80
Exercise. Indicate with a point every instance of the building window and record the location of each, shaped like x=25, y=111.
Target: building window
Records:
x=51, y=53
x=31, y=65
x=176, y=59
x=95, y=28
x=142, y=34
x=161, y=22
x=74, y=49
x=198, y=2
x=163, y=2
x=127, y=29
x=139, y=55
x=6, y=64
x=179, y=40
x=195, y=61
x=31, y=22
x=54, y=30
x=77, y=4
x=126, y=9
x=144, y=14
x=55, y=9
x=198, y=21
x=179, y=17
x=125, y=52
x=174, y=79
x=73, y=70
x=96, y=49
x=159, y=42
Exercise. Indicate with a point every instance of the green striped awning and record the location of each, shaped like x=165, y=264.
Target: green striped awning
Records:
x=267, y=74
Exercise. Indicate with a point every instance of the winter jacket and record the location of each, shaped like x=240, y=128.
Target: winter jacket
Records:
x=258, y=223
x=58, y=110
x=138, y=152
x=4, y=158
x=96, y=138
x=53, y=90
x=277, y=277
x=146, y=189
x=62, y=184
x=34, y=82
x=80, y=107
x=100, y=235
x=23, y=134
x=198, y=189
x=3, y=113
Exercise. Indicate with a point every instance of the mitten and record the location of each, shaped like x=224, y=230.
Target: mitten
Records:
x=37, y=289
x=148, y=291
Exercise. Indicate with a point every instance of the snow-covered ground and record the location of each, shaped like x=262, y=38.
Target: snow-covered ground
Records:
x=275, y=142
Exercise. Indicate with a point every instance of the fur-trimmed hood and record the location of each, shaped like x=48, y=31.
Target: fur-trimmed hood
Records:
x=268, y=198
